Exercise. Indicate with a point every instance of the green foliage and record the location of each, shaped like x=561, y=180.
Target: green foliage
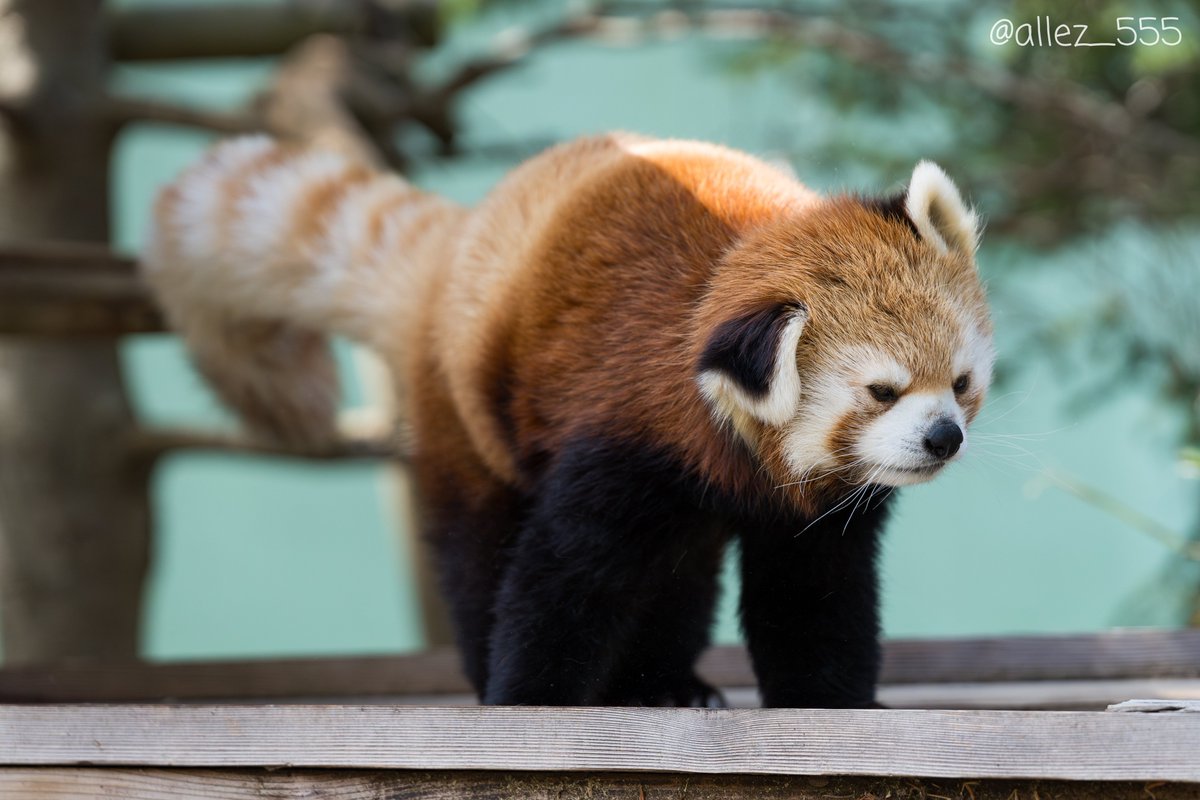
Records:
x=1083, y=136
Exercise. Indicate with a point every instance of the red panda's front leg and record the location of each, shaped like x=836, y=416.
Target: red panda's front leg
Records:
x=606, y=529
x=673, y=627
x=810, y=606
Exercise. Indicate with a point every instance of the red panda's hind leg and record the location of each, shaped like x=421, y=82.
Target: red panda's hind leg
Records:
x=470, y=520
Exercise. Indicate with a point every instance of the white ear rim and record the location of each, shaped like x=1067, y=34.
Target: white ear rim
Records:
x=936, y=208
x=783, y=395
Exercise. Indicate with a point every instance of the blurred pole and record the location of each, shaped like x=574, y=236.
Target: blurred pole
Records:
x=74, y=516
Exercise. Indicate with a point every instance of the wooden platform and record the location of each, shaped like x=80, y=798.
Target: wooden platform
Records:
x=415, y=743
x=236, y=747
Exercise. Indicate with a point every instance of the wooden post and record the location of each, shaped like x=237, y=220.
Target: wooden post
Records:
x=74, y=519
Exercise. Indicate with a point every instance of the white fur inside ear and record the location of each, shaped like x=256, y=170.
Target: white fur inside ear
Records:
x=779, y=404
x=937, y=209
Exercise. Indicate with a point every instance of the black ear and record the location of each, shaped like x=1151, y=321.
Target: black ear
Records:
x=891, y=207
x=749, y=362
x=744, y=348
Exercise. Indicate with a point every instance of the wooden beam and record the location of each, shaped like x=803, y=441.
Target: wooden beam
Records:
x=1103, y=656
x=53, y=289
x=433, y=673
x=248, y=30
x=52, y=303
x=153, y=443
x=1096, y=657
x=1157, y=707
x=936, y=744
x=88, y=783
x=1059, y=695
x=75, y=517
x=83, y=257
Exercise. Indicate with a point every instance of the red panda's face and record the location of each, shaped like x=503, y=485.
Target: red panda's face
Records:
x=879, y=344
x=885, y=414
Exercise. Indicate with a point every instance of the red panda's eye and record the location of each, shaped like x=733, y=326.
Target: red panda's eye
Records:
x=883, y=393
x=962, y=383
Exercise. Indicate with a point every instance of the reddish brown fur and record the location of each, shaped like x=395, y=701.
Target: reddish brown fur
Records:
x=627, y=336
x=578, y=298
x=598, y=326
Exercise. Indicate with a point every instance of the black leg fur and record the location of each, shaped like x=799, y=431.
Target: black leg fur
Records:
x=606, y=530
x=674, y=627
x=810, y=606
x=472, y=537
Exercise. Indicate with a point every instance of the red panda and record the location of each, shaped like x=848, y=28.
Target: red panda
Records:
x=630, y=353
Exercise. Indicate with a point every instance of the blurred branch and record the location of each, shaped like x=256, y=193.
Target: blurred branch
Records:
x=244, y=30
x=390, y=97
x=510, y=48
x=1127, y=514
x=60, y=289
x=74, y=256
x=314, y=95
x=123, y=110
x=1064, y=100
x=154, y=443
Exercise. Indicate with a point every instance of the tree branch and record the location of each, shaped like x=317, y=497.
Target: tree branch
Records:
x=241, y=30
x=59, y=289
x=123, y=110
x=1058, y=99
x=154, y=443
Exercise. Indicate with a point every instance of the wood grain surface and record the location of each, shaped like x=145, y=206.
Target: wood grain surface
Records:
x=54, y=783
x=940, y=744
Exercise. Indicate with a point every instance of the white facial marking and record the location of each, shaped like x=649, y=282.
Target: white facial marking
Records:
x=892, y=446
x=937, y=210
x=828, y=397
x=975, y=355
x=778, y=406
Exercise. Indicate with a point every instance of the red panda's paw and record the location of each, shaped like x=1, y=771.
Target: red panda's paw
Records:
x=705, y=696
x=691, y=692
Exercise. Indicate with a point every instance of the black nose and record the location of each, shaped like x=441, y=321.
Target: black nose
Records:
x=944, y=438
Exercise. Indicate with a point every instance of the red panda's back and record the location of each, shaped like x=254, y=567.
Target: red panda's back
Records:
x=568, y=306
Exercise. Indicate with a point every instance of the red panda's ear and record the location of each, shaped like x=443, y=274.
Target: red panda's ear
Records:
x=749, y=363
x=936, y=209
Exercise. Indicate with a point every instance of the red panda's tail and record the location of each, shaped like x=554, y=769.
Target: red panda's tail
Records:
x=261, y=250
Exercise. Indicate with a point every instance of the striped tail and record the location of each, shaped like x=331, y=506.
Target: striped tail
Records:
x=261, y=250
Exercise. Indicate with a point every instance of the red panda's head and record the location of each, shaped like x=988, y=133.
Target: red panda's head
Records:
x=850, y=344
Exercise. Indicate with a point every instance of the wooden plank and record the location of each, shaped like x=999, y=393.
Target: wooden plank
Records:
x=432, y=673
x=1158, y=706
x=1013, y=696
x=81, y=258
x=1036, y=695
x=70, y=289
x=48, y=783
x=1107, y=656
x=1103, y=656
x=937, y=744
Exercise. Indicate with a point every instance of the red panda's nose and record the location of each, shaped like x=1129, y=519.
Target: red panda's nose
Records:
x=944, y=439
